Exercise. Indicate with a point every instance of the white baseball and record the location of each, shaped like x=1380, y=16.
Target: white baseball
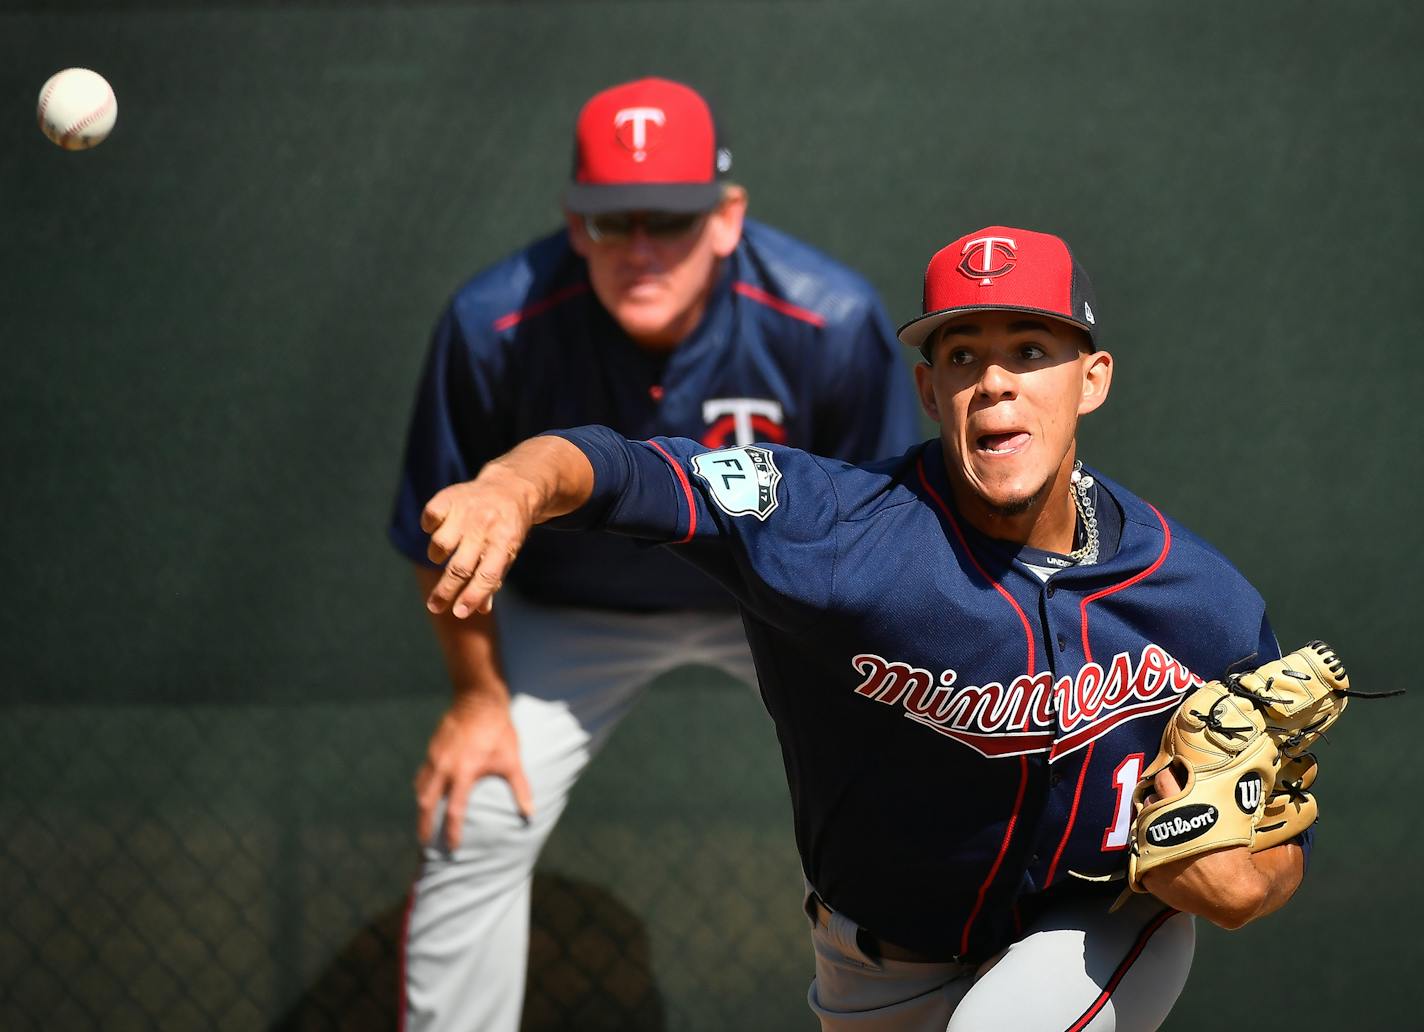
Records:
x=77, y=108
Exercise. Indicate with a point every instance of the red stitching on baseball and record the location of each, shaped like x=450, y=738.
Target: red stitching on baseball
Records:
x=89, y=119
x=44, y=99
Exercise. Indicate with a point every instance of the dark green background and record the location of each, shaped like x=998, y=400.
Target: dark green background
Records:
x=211, y=328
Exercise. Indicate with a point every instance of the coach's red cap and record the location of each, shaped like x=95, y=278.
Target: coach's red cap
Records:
x=1004, y=269
x=649, y=145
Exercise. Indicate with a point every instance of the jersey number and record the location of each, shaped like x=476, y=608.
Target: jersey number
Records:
x=1124, y=780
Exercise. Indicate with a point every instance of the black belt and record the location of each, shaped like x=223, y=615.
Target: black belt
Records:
x=875, y=947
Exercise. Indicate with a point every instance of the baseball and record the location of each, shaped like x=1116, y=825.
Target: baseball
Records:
x=77, y=108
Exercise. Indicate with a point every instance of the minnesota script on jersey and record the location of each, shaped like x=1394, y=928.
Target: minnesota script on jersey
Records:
x=958, y=733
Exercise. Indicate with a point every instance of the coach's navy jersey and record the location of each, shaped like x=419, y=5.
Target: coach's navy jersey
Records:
x=959, y=735
x=793, y=348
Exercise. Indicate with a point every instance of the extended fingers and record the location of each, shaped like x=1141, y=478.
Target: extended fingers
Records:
x=523, y=794
x=457, y=573
x=446, y=539
x=452, y=517
x=435, y=511
x=473, y=574
x=429, y=790
x=469, y=584
x=455, y=806
x=478, y=592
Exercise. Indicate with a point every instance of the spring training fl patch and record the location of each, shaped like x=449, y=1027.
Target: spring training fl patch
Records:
x=743, y=480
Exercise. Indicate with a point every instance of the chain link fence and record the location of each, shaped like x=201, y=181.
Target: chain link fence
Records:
x=231, y=867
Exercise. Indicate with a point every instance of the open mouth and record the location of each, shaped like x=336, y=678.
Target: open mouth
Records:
x=1003, y=444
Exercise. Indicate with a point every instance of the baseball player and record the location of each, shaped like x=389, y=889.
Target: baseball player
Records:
x=970, y=653
x=657, y=310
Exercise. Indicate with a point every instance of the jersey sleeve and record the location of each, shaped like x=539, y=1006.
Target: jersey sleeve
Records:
x=868, y=408
x=1268, y=648
x=759, y=520
x=458, y=424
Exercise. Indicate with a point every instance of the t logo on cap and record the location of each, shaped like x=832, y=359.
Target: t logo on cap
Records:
x=989, y=249
x=639, y=118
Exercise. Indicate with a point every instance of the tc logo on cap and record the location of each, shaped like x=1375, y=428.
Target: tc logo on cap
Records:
x=988, y=257
x=971, y=274
x=631, y=127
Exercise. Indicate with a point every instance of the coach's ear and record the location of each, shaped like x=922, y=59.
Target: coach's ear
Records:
x=725, y=222
x=1097, y=379
x=578, y=234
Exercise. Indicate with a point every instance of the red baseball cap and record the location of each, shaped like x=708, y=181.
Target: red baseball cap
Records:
x=1004, y=269
x=649, y=145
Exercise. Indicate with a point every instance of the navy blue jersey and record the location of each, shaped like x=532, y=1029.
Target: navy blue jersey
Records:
x=960, y=735
x=793, y=348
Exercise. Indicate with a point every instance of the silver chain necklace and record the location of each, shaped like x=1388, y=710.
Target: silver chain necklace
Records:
x=1081, y=483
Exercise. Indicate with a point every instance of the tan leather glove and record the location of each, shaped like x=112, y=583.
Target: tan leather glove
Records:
x=1219, y=750
x=1291, y=807
x=1240, y=748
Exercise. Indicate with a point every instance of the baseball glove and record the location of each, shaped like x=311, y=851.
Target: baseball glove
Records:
x=1300, y=695
x=1239, y=748
x=1290, y=809
x=1225, y=761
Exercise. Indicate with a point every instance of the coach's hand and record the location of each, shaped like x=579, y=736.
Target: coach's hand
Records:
x=475, y=739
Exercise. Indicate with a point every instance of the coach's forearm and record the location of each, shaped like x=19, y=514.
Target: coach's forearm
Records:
x=476, y=736
x=470, y=652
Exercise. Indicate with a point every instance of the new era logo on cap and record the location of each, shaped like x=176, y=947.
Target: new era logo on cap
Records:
x=649, y=145
x=1002, y=268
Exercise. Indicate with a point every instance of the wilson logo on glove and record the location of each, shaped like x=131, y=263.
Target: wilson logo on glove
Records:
x=1182, y=825
x=1248, y=792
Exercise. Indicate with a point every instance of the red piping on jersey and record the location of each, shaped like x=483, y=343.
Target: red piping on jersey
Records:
x=1127, y=962
x=775, y=303
x=1023, y=760
x=558, y=297
x=998, y=860
x=686, y=490
x=1072, y=814
x=1028, y=631
x=1088, y=657
x=1083, y=606
x=402, y=1015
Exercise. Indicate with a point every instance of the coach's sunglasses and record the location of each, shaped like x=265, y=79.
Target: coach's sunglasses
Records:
x=618, y=226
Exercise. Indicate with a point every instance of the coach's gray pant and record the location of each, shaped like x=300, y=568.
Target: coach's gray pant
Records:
x=573, y=675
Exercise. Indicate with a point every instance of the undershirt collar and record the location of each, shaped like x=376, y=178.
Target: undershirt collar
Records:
x=1043, y=563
